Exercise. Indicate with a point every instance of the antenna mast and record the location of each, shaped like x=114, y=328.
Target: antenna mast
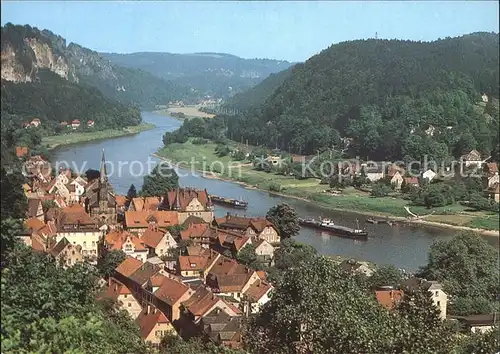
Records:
x=376, y=35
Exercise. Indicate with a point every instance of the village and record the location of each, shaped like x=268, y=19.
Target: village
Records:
x=180, y=275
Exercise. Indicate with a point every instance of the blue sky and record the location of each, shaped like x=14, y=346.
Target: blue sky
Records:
x=292, y=31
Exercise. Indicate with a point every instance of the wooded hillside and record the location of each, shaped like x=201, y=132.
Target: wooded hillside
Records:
x=385, y=94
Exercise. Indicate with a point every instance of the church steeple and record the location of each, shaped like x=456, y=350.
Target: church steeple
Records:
x=104, y=175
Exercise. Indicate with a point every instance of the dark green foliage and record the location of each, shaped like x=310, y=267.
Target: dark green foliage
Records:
x=13, y=202
x=386, y=275
x=481, y=343
x=381, y=190
x=285, y=219
x=162, y=179
x=37, y=99
x=433, y=195
x=290, y=254
x=107, y=264
x=173, y=344
x=478, y=202
x=467, y=266
x=248, y=257
x=131, y=194
x=379, y=92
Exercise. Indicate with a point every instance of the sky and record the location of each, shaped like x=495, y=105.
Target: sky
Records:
x=292, y=31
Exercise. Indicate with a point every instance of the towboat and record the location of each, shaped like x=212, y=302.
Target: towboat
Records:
x=339, y=230
x=235, y=203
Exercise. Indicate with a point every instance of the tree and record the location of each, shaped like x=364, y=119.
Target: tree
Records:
x=317, y=308
x=386, y=275
x=380, y=190
x=248, y=257
x=48, y=204
x=161, y=180
x=107, y=264
x=467, y=266
x=480, y=343
x=173, y=344
x=131, y=194
x=13, y=201
x=285, y=219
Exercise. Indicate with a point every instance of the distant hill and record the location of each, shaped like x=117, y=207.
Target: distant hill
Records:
x=257, y=95
x=26, y=49
x=394, y=99
x=218, y=74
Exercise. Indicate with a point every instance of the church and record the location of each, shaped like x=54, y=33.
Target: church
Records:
x=100, y=200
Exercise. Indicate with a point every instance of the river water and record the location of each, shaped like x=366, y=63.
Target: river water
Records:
x=403, y=246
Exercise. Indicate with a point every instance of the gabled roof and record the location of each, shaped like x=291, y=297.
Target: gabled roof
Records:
x=492, y=167
x=180, y=198
x=59, y=247
x=144, y=273
x=473, y=155
x=201, y=301
x=128, y=266
x=121, y=200
x=191, y=219
x=153, y=235
x=143, y=218
x=146, y=203
x=115, y=288
x=116, y=238
x=411, y=180
x=196, y=231
x=197, y=263
x=411, y=284
x=147, y=321
x=21, y=151
x=171, y=291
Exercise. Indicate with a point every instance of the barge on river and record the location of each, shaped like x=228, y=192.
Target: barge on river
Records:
x=235, y=203
x=339, y=230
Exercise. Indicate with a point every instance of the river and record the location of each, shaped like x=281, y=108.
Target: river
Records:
x=403, y=246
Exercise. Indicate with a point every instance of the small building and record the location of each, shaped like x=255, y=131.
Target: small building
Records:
x=477, y=323
x=130, y=244
x=36, y=122
x=397, y=180
x=64, y=124
x=90, y=123
x=75, y=123
x=35, y=209
x=139, y=221
x=484, y=98
x=439, y=297
x=21, y=151
x=411, y=181
x=491, y=169
x=118, y=292
x=66, y=254
x=389, y=297
x=158, y=241
x=494, y=192
x=473, y=158
x=429, y=175
x=153, y=325
x=373, y=172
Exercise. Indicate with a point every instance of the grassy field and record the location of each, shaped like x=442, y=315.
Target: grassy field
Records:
x=203, y=158
x=52, y=142
x=188, y=111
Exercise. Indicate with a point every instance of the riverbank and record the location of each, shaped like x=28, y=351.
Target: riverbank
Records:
x=51, y=142
x=202, y=158
x=187, y=111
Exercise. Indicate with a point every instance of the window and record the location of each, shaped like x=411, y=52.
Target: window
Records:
x=158, y=334
x=84, y=244
x=161, y=250
x=438, y=303
x=129, y=304
x=73, y=253
x=125, y=296
x=437, y=293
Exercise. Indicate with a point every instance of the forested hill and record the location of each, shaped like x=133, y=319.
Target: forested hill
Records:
x=385, y=94
x=218, y=74
x=257, y=95
x=26, y=49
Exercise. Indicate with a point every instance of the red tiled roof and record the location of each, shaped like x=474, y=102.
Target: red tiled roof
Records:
x=492, y=167
x=183, y=196
x=116, y=238
x=115, y=289
x=262, y=274
x=128, y=266
x=21, y=151
x=143, y=218
x=148, y=321
x=257, y=290
x=171, y=291
x=121, y=200
x=146, y=203
x=201, y=301
x=389, y=298
x=153, y=235
x=411, y=180
x=196, y=231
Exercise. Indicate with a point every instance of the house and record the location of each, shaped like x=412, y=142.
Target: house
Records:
x=274, y=160
x=252, y=227
x=144, y=204
x=188, y=202
x=130, y=244
x=374, y=171
x=430, y=130
x=264, y=250
x=256, y=296
x=411, y=181
x=168, y=295
x=232, y=241
x=493, y=180
x=35, y=209
x=21, y=151
x=35, y=122
x=198, y=234
x=473, y=158
x=494, y=192
x=90, y=123
x=478, y=323
x=484, y=98
x=429, y=175
x=139, y=221
x=223, y=329
x=388, y=297
x=126, y=268
x=159, y=241
x=197, y=266
x=66, y=254
x=397, y=180
x=230, y=278
x=45, y=230
x=100, y=200
x=64, y=124
x=75, y=123
x=351, y=266
x=122, y=295
x=491, y=169
x=439, y=297
x=78, y=228
x=153, y=325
